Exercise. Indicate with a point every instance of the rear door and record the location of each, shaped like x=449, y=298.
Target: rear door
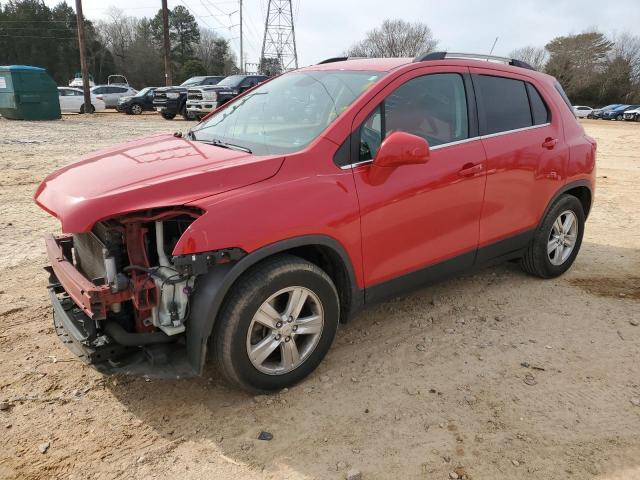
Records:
x=526, y=157
x=423, y=214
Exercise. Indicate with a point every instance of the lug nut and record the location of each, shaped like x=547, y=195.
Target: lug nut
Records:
x=295, y=327
x=278, y=325
x=287, y=339
x=290, y=319
x=278, y=336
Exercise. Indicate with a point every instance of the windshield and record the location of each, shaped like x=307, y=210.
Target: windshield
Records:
x=231, y=81
x=288, y=113
x=192, y=81
x=143, y=92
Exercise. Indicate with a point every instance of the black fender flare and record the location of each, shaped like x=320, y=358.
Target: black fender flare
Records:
x=212, y=288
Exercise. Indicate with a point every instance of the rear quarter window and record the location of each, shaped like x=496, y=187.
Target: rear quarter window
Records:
x=539, y=110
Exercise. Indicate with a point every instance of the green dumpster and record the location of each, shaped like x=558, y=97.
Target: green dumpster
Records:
x=28, y=93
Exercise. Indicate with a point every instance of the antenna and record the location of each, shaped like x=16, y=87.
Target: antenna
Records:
x=279, y=35
x=494, y=45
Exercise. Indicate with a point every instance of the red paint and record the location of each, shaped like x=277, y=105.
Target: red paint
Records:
x=416, y=214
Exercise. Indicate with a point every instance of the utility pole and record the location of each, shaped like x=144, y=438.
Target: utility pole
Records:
x=241, y=44
x=167, y=45
x=83, y=58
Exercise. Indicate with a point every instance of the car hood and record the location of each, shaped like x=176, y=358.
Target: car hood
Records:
x=158, y=171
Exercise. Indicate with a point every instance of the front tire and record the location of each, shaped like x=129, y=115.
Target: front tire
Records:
x=557, y=240
x=276, y=325
x=168, y=116
x=136, y=109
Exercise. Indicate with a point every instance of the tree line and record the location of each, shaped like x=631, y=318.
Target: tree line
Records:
x=31, y=33
x=594, y=69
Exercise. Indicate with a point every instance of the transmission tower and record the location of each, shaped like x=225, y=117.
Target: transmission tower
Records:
x=279, y=36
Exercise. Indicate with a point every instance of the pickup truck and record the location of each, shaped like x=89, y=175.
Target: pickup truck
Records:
x=171, y=101
x=204, y=99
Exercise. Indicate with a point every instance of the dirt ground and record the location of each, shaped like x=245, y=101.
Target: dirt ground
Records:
x=494, y=374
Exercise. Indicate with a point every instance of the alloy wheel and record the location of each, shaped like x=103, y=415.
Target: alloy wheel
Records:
x=562, y=238
x=285, y=330
x=136, y=109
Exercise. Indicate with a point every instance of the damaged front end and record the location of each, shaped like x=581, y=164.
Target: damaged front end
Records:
x=121, y=301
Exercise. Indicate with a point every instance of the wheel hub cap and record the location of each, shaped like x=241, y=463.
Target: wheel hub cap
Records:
x=285, y=330
x=562, y=238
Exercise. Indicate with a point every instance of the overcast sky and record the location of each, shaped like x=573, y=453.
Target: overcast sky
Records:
x=324, y=28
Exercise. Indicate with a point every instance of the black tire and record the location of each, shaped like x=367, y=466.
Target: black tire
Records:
x=536, y=261
x=619, y=117
x=243, y=301
x=135, y=109
x=93, y=109
x=185, y=113
x=168, y=116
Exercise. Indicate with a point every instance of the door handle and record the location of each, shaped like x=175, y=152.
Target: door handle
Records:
x=549, y=143
x=470, y=169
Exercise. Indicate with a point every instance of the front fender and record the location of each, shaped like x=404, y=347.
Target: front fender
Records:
x=212, y=288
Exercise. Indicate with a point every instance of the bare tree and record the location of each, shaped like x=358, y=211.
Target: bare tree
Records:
x=215, y=53
x=395, y=38
x=535, y=56
x=627, y=47
x=118, y=32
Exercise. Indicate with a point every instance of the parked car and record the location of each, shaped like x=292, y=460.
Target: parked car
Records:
x=205, y=99
x=111, y=94
x=138, y=103
x=298, y=202
x=171, y=101
x=582, y=111
x=597, y=113
x=618, y=113
x=72, y=101
x=76, y=81
x=633, y=114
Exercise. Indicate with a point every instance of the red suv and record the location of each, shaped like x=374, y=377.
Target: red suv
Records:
x=305, y=198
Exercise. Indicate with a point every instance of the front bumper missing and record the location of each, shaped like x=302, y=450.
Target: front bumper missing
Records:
x=77, y=305
x=93, y=299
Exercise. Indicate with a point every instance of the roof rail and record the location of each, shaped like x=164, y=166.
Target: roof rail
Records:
x=472, y=56
x=333, y=59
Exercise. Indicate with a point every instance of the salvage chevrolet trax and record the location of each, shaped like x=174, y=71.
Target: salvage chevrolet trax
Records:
x=247, y=241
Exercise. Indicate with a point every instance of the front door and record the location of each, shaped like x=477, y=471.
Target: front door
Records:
x=428, y=214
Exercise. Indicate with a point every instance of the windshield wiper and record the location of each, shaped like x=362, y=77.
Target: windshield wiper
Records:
x=230, y=146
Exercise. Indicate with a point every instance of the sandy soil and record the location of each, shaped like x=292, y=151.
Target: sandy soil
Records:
x=494, y=374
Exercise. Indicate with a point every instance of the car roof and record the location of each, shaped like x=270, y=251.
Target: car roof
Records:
x=389, y=64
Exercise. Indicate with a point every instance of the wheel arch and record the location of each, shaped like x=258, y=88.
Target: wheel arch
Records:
x=213, y=287
x=581, y=189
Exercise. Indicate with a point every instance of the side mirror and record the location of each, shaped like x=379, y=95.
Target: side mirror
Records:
x=401, y=148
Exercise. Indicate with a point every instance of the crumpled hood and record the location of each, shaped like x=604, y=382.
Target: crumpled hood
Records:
x=157, y=171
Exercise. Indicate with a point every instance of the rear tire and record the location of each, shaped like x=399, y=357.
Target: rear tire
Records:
x=92, y=110
x=258, y=343
x=557, y=240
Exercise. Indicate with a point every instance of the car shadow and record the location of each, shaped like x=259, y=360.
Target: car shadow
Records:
x=309, y=415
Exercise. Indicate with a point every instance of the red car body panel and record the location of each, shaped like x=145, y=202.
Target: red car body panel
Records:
x=420, y=215
x=158, y=171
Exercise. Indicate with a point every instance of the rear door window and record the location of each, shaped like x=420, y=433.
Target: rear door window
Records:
x=503, y=104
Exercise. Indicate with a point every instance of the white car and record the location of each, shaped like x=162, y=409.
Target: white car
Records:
x=72, y=101
x=111, y=93
x=632, y=114
x=582, y=111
